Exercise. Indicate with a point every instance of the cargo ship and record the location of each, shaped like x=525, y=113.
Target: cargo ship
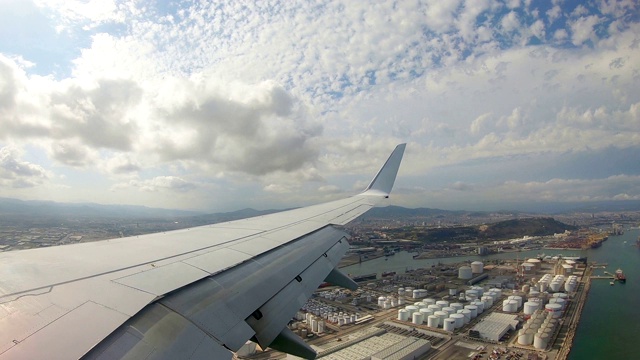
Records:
x=620, y=276
x=359, y=278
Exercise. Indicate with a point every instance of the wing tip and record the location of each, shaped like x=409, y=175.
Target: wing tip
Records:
x=382, y=183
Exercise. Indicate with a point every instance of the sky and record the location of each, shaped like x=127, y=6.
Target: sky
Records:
x=218, y=106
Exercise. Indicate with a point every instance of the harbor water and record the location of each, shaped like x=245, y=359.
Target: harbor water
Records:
x=610, y=321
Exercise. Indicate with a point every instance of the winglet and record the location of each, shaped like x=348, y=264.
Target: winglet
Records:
x=382, y=183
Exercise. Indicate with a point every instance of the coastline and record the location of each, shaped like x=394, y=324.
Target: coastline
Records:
x=574, y=320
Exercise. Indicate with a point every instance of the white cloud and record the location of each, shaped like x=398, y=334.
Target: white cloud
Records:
x=16, y=173
x=582, y=29
x=554, y=14
x=223, y=92
x=510, y=22
x=121, y=164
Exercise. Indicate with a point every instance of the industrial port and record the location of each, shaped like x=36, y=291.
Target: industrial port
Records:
x=501, y=309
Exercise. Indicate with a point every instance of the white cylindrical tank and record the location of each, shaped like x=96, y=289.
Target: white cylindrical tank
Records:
x=411, y=309
x=426, y=312
x=497, y=291
x=473, y=310
x=570, y=286
x=554, y=309
x=416, y=294
x=442, y=315
x=540, y=341
x=479, y=290
x=477, y=267
x=457, y=306
x=401, y=291
x=480, y=305
x=488, y=301
x=543, y=285
x=525, y=337
x=320, y=327
x=381, y=301
x=560, y=295
x=418, y=318
x=509, y=306
x=471, y=294
x=467, y=315
x=465, y=273
x=434, y=307
x=449, y=324
x=558, y=300
x=459, y=318
x=429, y=301
x=433, y=321
x=403, y=315
x=530, y=307
x=442, y=303
x=518, y=299
x=449, y=310
x=453, y=292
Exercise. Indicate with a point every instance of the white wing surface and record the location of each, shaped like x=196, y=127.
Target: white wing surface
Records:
x=187, y=294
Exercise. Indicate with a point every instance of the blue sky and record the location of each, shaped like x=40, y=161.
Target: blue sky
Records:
x=276, y=104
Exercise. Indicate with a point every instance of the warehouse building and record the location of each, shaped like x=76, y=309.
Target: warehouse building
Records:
x=495, y=326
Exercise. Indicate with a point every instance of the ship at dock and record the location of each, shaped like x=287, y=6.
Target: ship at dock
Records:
x=620, y=276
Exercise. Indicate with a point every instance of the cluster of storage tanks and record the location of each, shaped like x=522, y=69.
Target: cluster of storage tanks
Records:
x=321, y=312
x=387, y=302
x=555, y=283
x=538, y=330
x=412, y=292
x=441, y=313
x=467, y=272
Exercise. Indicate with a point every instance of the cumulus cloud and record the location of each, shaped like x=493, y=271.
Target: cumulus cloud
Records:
x=274, y=99
x=582, y=29
x=17, y=173
x=73, y=154
x=121, y=164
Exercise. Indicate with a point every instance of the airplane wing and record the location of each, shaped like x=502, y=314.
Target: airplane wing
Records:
x=196, y=293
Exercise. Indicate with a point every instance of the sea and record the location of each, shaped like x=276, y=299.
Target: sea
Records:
x=609, y=327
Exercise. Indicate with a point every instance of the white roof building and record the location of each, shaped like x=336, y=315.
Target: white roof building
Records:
x=495, y=325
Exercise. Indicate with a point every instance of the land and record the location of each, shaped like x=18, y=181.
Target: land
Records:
x=381, y=232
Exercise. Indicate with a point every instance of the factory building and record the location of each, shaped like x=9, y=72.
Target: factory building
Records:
x=407, y=349
x=495, y=326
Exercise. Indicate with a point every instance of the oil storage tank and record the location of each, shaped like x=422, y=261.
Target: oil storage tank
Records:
x=477, y=267
x=465, y=273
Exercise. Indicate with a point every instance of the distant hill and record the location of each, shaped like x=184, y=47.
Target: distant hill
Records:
x=515, y=228
x=229, y=216
x=15, y=207
x=392, y=211
x=502, y=230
